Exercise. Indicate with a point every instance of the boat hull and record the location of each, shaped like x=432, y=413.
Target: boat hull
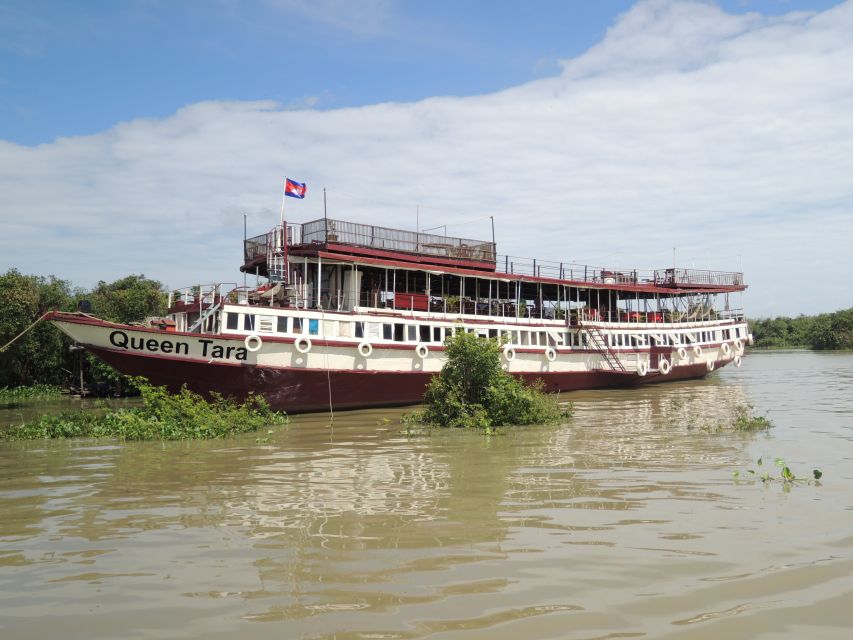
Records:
x=175, y=360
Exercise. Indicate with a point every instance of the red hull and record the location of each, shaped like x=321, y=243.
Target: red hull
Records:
x=303, y=390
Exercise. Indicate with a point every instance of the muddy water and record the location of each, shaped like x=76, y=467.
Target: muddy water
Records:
x=624, y=522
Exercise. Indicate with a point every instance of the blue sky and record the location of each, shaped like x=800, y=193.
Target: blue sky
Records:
x=77, y=68
x=134, y=136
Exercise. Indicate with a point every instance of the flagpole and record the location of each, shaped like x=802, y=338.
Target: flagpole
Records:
x=283, y=196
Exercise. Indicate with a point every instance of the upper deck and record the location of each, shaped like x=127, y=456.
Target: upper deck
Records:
x=397, y=248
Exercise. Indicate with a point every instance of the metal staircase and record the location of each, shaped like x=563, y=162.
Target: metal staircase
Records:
x=598, y=341
x=277, y=255
x=204, y=316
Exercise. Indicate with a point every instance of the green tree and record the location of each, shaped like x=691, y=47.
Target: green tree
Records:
x=41, y=355
x=129, y=299
x=832, y=330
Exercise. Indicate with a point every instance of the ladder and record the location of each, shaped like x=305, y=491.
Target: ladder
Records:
x=277, y=255
x=198, y=324
x=598, y=340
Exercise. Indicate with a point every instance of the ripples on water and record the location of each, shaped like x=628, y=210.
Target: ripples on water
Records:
x=624, y=522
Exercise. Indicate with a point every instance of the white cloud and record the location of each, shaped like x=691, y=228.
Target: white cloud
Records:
x=721, y=135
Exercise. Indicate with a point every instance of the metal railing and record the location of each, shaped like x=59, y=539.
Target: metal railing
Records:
x=585, y=273
x=373, y=237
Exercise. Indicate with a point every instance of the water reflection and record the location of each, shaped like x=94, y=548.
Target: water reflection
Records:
x=623, y=521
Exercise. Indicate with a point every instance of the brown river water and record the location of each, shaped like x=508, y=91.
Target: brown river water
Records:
x=625, y=522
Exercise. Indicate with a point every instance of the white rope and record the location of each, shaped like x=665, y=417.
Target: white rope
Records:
x=8, y=344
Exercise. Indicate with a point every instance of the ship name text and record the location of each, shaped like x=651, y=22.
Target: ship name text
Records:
x=208, y=349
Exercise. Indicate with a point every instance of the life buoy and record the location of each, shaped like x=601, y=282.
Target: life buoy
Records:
x=253, y=342
x=303, y=344
x=727, y=350
x=697, y=350
x=642, y=368
x=682, y=352
x=551, y=353
x=365, y=348
x=422, y=350
x=710, y=365
x=509, y=353
x=737, y=361
x=739, y=345
x=664, y=366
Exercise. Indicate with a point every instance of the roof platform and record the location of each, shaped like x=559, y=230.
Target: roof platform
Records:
x=370, y=241
x=339, y=240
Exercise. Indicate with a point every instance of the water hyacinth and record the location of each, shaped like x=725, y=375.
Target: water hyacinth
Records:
x=162, y=416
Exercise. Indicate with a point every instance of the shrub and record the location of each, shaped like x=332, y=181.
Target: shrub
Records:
x=473, y=391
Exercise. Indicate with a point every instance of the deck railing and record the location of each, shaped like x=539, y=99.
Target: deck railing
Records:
x=373, y=237
x=384, y=238
x=603, y=275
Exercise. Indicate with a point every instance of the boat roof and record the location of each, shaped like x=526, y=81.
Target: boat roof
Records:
x=369, y=245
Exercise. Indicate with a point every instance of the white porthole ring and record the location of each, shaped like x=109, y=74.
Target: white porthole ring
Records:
x=682, y=352
x=509, y=353
x=551, y=354
x=727, y=350
x=697, y=351
x=422, y=350
x=738, y=345
x=365, y=348
x=710, y=365
x=737, y=361
x=303, y=344
x=664, y=366
x=253, y=342
x=642, y=369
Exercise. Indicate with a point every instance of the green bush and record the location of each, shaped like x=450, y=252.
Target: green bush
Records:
x=162, y=416
x=473, y=391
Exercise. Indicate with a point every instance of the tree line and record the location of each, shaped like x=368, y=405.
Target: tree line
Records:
x=44, y=354
x=825, y=331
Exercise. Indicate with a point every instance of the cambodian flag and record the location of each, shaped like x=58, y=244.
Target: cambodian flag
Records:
x=294, y=189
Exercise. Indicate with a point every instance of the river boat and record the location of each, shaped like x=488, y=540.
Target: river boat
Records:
x=350, y=315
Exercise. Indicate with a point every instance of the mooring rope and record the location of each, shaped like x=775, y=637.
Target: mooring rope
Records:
x=9, y=344
x=326, y=364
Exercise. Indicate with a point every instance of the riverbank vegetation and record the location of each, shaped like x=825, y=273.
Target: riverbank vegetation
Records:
x=43, y=355
x=827, y=331
x=162, y=416
x=473, y=391
x=31, y=392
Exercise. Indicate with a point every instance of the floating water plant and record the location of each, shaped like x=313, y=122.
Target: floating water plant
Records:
x=786, y=476
x=162, y=416
x=33, y=391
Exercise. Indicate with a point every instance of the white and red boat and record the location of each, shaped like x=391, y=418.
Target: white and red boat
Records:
x=355, y=315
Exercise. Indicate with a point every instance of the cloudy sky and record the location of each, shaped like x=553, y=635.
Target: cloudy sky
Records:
x=135, y=135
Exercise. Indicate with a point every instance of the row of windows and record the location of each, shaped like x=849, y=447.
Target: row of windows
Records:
x=414, y=333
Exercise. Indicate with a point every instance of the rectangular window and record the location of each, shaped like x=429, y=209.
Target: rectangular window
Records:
x=399, y=332
x=359, y=329
x=436, y=334
x=248, y=322
x=493, y=333
x=412, y=333
x=313, y=327
x=297, y=325
x=281, y=324
x=265, y=324
x=424, y=331
x=387, y=332
x=232, y=321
